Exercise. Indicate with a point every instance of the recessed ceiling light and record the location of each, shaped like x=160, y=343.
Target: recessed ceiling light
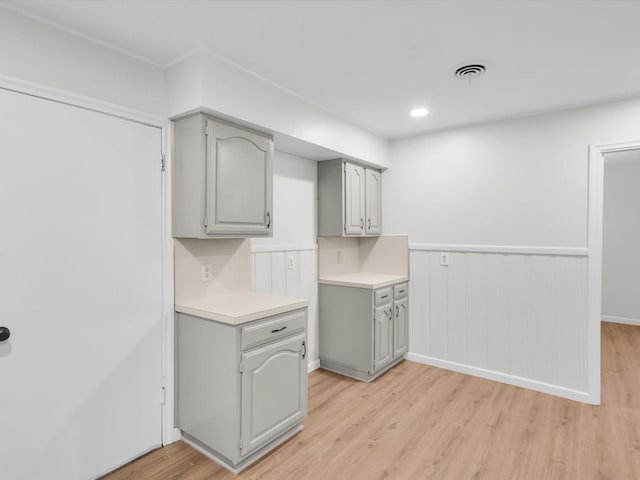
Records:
x=419, y=112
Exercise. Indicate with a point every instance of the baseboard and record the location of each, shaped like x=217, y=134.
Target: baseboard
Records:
x=313, y=366
x=625, y=320
x=538, y=386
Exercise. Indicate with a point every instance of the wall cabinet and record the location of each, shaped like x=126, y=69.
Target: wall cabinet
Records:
x=241, y=390
x=363, y=332
x=349, y=198
x=222, y=179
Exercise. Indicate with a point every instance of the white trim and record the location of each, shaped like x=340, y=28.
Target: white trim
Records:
x=169, y=434
x=284, y=248
x=623, y=320
x=81, y=101
x=502, y=377
x=594, y=280
x=313, y=366
x=501, y=249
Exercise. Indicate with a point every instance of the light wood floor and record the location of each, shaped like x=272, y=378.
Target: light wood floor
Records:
x=420, y=422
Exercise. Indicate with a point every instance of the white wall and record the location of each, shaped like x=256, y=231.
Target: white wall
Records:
x=506, y=185
x=39, y=53
x=203, y=80
x=519, y=182
x=294, y=235
x=621, y=237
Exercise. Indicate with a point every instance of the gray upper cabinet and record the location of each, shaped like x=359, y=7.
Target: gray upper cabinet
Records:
x=222, y=179
x=373, y=207
x=354, y=199
x=349, y=199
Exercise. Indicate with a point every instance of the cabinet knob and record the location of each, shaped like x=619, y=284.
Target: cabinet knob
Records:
x=5, y=333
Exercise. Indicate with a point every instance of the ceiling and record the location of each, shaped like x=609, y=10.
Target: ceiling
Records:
x=371, y=62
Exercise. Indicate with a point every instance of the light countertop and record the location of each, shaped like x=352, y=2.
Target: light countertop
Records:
x=237, y=308
x=363, y=280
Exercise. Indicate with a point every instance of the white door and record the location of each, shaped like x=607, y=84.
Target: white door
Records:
x=80, y=289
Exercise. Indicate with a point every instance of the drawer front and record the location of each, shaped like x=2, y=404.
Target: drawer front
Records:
x=383, y=295
x=272, y=328
x=400, y=291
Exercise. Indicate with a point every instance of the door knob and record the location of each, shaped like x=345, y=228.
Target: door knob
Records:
x=4, y=334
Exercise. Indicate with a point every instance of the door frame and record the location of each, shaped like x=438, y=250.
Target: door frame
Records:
x=169, y=433
x=594, y=243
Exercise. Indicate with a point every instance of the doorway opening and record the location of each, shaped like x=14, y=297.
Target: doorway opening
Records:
x=607, y=164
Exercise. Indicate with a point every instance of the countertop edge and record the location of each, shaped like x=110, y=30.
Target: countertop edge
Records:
x=231, y=320
x=367, y=285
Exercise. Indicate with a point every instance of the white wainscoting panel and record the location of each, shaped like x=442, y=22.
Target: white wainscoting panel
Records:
x=270, y=274
x=517, y=316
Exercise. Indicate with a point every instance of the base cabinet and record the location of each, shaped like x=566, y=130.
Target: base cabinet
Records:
x=362, y=332
x=241, y=390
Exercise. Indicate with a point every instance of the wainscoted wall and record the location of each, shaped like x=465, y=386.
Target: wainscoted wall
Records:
x=515, y=317
x=270, y=274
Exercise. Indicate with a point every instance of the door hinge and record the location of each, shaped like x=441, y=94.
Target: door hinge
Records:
x=205, y=221
x=240, y=444
x=206, y=129
x=162, y=162
x=241, y=367
x=345, y=228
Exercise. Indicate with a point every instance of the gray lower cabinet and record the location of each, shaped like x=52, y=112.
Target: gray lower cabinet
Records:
x=362, y=332
x=241, y=390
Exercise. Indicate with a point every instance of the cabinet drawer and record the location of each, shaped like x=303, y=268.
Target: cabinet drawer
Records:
x=382, y=296
x=273, y=328
x=400, y=291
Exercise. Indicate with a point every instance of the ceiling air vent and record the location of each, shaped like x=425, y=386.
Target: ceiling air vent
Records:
x=469, y=72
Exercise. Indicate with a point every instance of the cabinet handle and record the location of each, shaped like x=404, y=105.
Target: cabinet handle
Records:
x=369, y=226
x=361, y=223
x=268, y=220
x=401, y=291
x=397, y=311
x=304, y=352
x=391, y=314
x=278, y=329
x=384, y=296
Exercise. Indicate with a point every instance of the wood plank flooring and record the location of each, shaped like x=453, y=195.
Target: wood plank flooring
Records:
x=420, y=422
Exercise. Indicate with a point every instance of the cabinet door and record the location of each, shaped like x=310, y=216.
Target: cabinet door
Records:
x=239, y=181
x=274, y=391
x=400, y=327
x=354, y=198
x=382, y=336
x=373, y=195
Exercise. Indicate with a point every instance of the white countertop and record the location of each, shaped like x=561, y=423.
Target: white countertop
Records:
x=237, y=308
x=363, y=280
